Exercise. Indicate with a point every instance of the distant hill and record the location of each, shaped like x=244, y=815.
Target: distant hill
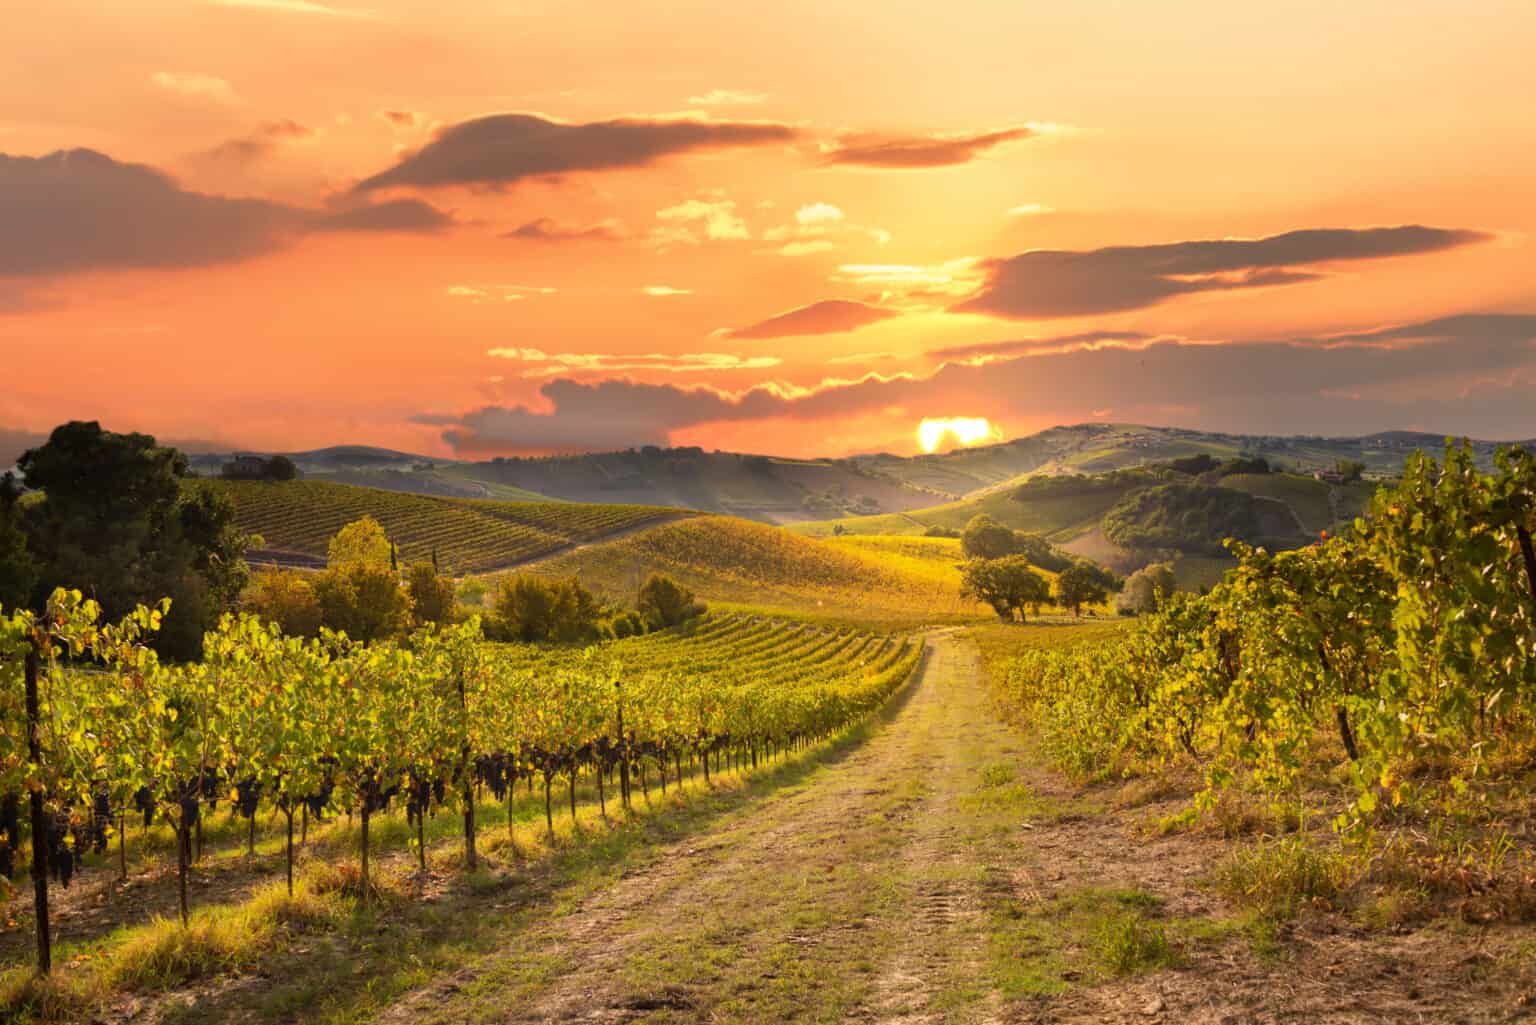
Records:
x=777, y=490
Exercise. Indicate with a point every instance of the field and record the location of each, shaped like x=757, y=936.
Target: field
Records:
x=887, y=582
x=297, y=520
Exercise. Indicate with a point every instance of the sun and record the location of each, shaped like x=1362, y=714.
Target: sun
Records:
x=959, y=431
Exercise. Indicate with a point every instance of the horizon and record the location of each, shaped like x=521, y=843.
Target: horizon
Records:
x=283, y=226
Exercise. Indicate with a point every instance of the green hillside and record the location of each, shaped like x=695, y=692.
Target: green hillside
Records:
x=297, y=519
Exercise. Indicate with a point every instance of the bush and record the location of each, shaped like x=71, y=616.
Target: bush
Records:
x=286, y=598
x=663, y=602
x=365, y=601
x=432, y=595
x=530, y=608
x=1146, y=588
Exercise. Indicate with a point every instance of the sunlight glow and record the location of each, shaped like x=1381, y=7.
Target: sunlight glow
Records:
x=962, y=430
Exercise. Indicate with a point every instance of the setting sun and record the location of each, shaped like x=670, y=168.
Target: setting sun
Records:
x=962, y=430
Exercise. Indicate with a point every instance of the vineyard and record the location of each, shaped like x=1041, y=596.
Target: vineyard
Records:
x=275, y=727
x=1385, y=678
x=884, y=582
x=296, y=520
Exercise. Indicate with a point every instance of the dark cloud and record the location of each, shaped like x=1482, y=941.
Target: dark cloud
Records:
x=1471, y=374
x=408, y=215
x=917, y=152
x=1060, y=283
x=829, y=316
x=547, y=229
x=400, y=118
x=505, y=148
x=79, y=210
x=258, y=145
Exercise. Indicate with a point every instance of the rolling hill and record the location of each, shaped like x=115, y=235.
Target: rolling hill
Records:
x=297, y=519
x=778, y=490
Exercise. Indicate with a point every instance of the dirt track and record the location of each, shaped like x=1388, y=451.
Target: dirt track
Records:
x=937, y=873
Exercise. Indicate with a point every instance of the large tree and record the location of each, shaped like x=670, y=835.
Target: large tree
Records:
x=117, y=521
x=1083, y=583
x=1009, y=584
x=985, y=538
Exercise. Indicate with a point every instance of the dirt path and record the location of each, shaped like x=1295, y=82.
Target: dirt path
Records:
x=938, y=873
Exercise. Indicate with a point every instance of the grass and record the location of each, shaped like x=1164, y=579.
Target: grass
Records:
x=1277, y=878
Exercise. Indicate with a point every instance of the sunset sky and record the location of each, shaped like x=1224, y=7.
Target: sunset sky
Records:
x=525, y=226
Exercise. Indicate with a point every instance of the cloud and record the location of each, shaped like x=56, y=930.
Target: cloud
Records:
x=950, y=279
x=664, y=291
x=499, y=293
x=1030, y=210
x=260, y=144
x=503, y=149
x=400, y=118
x=818, y=213
x=1471, y=374
x=549, y=365
x=1028, y=346
x=547, y=229
x=296, y=7
x=196, y=85
x=829, y=316
x=917, y=152
x=403, y=215
x=80, y=210
x=695, y=220
x=726, y=98
x=1061, y=283
x=806, y=248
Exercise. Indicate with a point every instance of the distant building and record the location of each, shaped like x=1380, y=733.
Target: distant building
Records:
x=1329, y=476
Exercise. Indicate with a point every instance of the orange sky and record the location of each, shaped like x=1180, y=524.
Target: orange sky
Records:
x=711, y=167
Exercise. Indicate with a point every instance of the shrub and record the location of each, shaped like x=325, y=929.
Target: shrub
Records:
x=663, y=602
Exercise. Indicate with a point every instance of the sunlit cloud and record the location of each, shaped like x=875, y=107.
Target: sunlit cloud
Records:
x=664, y=291
x=296, y=7
x=498, y=293
x=1030, y=210
x=727, y=98
x=818, y=213
x=553, y=364
x=697, y=220
x=197, y=86
x=952, y=278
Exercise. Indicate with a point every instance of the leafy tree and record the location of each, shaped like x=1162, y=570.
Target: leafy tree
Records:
x=360, y=543
x=364, y=601
x=1350, y=469
x=1008, y=584
x=985, y=538
x=664, y=602
x=286, y=598
x=1082, y=584
x=432, y=595
x=18, y=570
x=281, y=468
x=530, y=608
x=117, y=522
x=1146, y=588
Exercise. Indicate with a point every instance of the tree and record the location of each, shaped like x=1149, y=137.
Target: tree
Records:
x=286, y=598
x=364, y=601
x=530, y=608
x=360, y=543
x=281, y=468
x=117, y=521
x=18, y=571
x=664, y=602
x=1351, y=470
x=1082, y=584
x=985, y=538
x=1008, y=584
x=1146, y=588
x=432, y=595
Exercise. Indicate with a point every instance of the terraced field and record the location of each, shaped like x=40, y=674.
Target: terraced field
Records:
x=297, y=519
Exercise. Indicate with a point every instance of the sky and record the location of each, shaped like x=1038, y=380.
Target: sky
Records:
x=476, y=229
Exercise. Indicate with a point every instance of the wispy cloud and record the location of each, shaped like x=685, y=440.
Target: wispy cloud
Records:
x=917, y=152
x=197, y=85
x=696, y=220
x=552, y=364
x=727, y=98
x=829, y=316
x=664, y=291
x=297, y=7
